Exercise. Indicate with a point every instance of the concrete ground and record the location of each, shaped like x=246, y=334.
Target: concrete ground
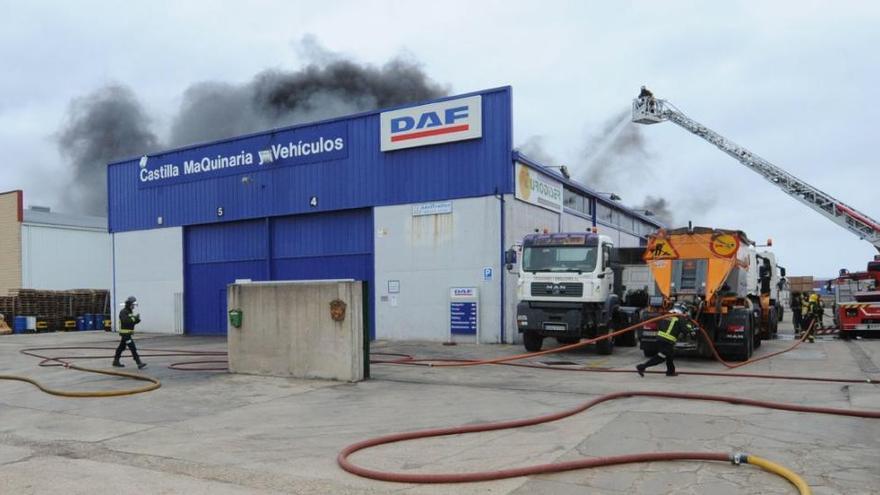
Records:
x=216, y=433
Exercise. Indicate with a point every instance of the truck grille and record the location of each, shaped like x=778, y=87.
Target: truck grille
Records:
x=558, y=289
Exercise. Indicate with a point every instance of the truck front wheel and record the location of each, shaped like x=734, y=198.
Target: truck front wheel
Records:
x=533, y=341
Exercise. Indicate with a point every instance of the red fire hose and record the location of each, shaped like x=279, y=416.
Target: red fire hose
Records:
x=346, y=464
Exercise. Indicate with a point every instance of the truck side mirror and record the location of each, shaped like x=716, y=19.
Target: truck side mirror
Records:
x=510, y=258
x=782, y=271
x=615, y=256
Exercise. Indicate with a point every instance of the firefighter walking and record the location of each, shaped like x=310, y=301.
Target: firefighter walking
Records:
x=128, y=318
x=670, y=329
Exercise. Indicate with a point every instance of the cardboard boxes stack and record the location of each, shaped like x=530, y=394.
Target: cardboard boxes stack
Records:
x=800, y=284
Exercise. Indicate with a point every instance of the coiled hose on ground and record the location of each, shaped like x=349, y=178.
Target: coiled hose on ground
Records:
x=344, y=461
x=346, y=464
x=64, y=361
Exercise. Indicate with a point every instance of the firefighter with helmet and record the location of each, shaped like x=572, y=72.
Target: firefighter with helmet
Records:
x=128, y=318
x=667, y=335
x=813, y=317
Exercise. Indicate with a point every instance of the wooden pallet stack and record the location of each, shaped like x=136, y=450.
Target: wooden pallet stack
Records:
x=7, y=307
x=53, y=307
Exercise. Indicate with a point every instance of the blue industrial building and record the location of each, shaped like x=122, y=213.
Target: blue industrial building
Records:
x=416, y=200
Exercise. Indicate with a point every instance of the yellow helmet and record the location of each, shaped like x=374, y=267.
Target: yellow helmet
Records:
x=814, y=297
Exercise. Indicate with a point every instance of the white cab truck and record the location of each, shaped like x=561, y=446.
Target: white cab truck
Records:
x=771, y=280
x=574, y=285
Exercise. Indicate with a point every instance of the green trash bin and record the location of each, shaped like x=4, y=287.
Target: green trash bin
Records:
x=235, y=316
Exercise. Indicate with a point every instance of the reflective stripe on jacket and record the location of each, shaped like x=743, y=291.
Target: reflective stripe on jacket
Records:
x=127, y=321
x=669, y=332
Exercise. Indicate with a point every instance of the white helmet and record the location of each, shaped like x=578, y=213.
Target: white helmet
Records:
x=679, y=308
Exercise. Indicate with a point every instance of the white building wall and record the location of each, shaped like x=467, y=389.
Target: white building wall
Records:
x=148, y=264
x=628, y=240
x=575, y=223
x=430, y=254
x=62, y=257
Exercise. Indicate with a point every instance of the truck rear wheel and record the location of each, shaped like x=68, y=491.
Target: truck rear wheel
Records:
x=533, y=341
x=605, y=346
x=748, y=342
x=627, y=339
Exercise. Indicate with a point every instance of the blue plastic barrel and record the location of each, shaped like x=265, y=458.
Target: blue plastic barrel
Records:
x=19, y=324
x=80, y=322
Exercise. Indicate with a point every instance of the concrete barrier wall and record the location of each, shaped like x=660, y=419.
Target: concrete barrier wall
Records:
x=287, y=330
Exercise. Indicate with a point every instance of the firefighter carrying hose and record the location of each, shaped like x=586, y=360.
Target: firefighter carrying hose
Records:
x=667, y=335
x=813, y=313
x=127, y=320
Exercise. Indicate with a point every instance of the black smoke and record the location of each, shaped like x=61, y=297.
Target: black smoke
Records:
x=320, y=90
x=111, y=124
x=106, y=125
x=660, y=208
x=535, y=149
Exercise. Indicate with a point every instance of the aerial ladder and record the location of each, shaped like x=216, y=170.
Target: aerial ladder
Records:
x=650, y=110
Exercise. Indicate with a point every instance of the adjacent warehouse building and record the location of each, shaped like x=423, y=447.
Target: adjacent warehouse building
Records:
x=42, y=249
x=420, y=201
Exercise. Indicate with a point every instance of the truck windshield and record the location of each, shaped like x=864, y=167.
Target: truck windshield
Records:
x=560, y=259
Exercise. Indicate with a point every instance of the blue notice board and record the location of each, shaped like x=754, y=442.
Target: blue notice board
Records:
x=463, y=317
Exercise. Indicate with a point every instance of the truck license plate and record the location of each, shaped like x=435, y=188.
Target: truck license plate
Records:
x=868, y=326
x=555, y=327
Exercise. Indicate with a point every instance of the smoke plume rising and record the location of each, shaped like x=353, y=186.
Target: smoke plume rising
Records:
x=318, y=91
x=111, y=124
x=616, y=159
x=534, y=148
x=660, y=208
x=615, y=155
x=107, y=125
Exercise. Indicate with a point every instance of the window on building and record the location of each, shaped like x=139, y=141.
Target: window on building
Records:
x=603, y=213
x=576, y=201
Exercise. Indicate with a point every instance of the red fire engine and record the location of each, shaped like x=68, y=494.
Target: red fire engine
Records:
x=858, y=302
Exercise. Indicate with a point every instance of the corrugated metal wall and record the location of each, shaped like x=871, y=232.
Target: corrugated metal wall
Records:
x=303, y=247
x=366, y=177
x=84, y=261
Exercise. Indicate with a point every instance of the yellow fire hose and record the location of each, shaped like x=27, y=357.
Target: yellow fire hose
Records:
x=153, y=383
x=779, y=470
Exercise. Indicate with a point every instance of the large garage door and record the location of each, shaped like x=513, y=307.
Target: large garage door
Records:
x=302, y=247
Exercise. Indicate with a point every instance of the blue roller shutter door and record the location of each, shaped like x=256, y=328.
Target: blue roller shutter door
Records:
x=301, y=247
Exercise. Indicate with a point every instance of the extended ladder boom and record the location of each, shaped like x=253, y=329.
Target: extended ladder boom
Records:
x=650, y=110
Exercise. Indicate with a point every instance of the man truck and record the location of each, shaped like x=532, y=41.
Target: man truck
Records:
x=578, y=285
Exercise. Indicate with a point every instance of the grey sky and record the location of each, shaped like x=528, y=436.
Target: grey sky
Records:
x=793, y=81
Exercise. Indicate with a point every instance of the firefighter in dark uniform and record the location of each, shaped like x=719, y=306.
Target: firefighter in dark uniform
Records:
x=796, y=312
x=128, y=318
x=670, y=329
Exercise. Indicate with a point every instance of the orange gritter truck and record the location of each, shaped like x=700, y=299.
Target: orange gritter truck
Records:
x=717, y=273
